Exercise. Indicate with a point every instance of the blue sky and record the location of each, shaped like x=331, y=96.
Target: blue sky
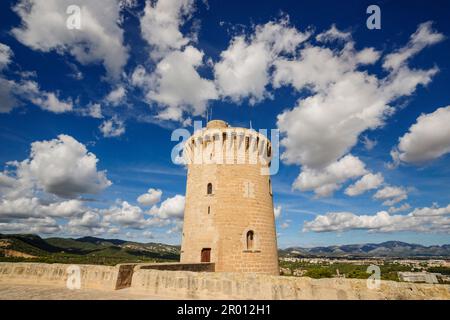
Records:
x=363, y=114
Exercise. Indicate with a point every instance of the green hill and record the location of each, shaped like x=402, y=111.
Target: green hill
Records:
x=88, y=250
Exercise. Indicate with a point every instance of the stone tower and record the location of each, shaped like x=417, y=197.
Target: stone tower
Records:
x=229, y=214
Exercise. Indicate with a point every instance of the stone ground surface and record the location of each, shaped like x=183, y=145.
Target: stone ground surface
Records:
x=42, y=292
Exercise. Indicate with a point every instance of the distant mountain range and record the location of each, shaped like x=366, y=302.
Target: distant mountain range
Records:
x=112, y=251
x=388, y=249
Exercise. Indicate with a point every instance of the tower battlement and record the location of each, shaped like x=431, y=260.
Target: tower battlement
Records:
x=218, y=143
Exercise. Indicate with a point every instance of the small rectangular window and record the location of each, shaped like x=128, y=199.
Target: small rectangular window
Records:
x=250, y=240
x=209, y=188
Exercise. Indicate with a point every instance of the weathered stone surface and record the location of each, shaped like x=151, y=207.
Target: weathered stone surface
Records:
x=99, y=277
x=49, y=279
x=175, y=284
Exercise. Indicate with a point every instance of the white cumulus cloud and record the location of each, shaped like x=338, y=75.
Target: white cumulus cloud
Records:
x=22, y=208
x=343, y=100
x=61, y=166
x=403, y=207
x=324, y=182
x=161, y=22
x=5, y=55
x=391, y=195
x=113, y=127
x=176, y=86
x=116, y=96
x=367, y=182
x=423, y=37
x=420, y=220
x=93, y=110
x=99, y=40
x=427, y=139
x=126, y=215
x=31, y=225
x=333, y=34
x=152, y=197
x=170, y=208
x=243, y=70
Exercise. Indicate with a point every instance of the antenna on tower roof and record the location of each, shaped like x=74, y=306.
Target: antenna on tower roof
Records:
x=250, y=115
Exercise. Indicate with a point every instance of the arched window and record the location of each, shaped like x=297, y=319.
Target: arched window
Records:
x=250, y=239
x=209, y=188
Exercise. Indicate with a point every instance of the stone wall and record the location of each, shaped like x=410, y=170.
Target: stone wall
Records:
x=190, y=285
x=96, y=277
x=214, y=285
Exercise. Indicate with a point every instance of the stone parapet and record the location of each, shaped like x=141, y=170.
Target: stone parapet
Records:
x=190, y=285
x=91, y=276
x=214, y=285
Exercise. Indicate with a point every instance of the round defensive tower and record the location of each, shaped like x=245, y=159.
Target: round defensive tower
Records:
x=229, y=215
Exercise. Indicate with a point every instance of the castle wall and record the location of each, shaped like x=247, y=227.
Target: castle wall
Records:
x=241, y=201
x=96, y=277
x=216, y=285
x=192, y=285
